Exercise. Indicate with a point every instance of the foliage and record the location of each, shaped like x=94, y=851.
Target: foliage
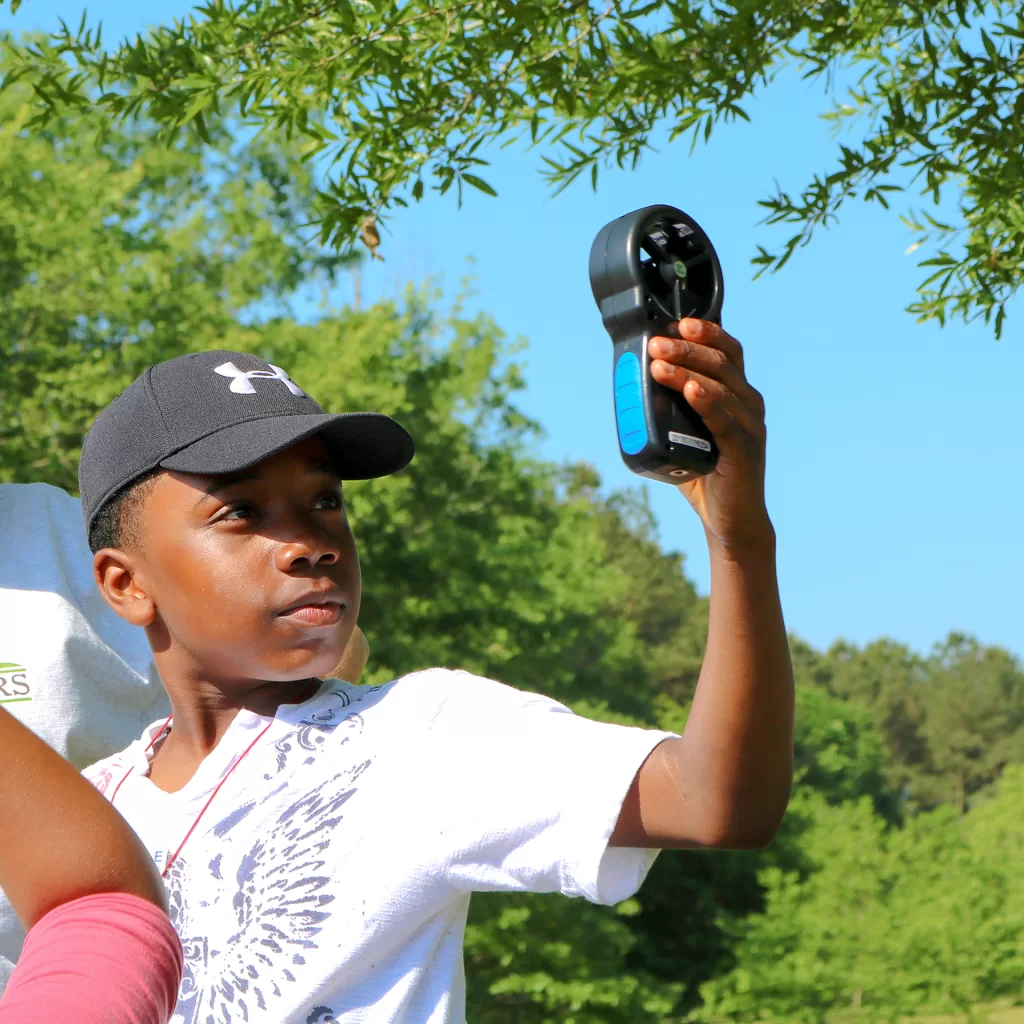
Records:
x=481, y=555
x=543, y=961
x=951, y=720
x=975, y=724
x=113, y=260
x=838, y=751
x=888, y=922
x=398, y=96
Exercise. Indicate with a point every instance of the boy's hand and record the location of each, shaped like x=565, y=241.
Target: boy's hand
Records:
x=353, y=661
x=705, y=365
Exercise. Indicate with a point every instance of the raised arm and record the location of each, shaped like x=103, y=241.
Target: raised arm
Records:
x=727, y=782
x=59, y=838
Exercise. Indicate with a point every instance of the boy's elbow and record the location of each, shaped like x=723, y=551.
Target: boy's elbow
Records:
x=745, y=831
x=750, y=838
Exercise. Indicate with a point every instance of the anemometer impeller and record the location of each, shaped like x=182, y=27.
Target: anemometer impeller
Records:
x=648, y=270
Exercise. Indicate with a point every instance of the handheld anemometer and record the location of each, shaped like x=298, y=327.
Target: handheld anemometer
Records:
x=649, y=269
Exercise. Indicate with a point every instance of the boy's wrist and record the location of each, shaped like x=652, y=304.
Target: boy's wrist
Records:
x=755, y=543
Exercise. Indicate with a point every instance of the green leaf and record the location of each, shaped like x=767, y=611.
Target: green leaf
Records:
x=478, y=183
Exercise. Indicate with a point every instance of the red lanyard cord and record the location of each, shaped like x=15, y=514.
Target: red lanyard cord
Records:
x=174, y=856
x=149, y=747
x=188, y=834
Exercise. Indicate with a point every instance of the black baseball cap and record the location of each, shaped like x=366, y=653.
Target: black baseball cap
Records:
x=221, y=412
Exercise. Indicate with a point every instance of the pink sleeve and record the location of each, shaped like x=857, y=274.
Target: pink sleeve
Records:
x=104, y=959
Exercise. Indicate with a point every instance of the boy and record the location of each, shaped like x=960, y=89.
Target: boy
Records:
x=320, y=840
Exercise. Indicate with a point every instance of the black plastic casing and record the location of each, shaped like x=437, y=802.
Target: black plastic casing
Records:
x=673, y=444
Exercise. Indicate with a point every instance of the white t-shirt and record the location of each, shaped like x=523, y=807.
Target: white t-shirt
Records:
x=73, y=671
x=328, y=881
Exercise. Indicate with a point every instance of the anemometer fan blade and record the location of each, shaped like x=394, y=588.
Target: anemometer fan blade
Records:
x=655, y=248
x=692, y=305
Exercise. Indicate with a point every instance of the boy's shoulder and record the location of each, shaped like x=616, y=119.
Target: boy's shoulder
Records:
x=433, y=707
x=435, y=702
x=435, y=693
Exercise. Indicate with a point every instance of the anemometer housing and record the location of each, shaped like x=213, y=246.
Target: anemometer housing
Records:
x=648, y=270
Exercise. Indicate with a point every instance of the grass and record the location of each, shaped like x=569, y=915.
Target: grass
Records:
x=1005, y=1011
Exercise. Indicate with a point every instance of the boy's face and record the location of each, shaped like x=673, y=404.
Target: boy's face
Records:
x=252, y=576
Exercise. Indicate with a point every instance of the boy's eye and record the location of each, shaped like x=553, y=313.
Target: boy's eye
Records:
x=239, y=512
x=331, y=500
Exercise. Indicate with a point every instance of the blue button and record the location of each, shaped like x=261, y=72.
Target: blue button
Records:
x=629, y=404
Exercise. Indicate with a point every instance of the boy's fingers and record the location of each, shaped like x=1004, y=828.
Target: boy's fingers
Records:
x=704, y=332
x=720, y=408
x=728, y=419
x=354, y=659
x=708, y=361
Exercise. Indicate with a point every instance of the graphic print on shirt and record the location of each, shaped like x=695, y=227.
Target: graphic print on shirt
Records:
x=14, y=684
x=103, y=777
x=276, y=891
x=309, y=735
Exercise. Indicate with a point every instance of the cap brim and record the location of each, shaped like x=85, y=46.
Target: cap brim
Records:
x=363, y=445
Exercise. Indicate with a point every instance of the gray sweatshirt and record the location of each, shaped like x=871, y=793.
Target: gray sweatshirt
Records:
x=75, y=673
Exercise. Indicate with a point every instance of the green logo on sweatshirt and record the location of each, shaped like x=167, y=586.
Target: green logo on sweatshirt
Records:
x=13, y=683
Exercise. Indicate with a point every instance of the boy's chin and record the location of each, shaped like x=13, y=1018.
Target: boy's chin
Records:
x=319, y=667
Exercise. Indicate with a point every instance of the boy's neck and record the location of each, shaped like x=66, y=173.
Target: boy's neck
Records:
x=203, y=714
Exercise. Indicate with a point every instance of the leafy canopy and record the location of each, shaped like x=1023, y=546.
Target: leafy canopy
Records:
x=115, y=257
x=394, y=97
x=950, y=721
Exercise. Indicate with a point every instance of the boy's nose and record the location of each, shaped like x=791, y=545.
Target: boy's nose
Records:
x=307, y=552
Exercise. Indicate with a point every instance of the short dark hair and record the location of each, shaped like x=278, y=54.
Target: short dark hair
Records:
x=117, y=523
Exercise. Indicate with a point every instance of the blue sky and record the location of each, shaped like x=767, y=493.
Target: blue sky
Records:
x=894, y=467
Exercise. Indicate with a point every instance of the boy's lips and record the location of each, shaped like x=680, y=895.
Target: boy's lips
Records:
x=316, y=608
x=327, y=614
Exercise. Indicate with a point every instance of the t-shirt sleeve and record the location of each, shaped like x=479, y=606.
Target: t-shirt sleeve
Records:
x=532, y=792
x=111, y=958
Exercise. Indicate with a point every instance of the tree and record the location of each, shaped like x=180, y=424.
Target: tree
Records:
x=670, y=617
x=975, y=721
x=894, y=684
x=537, y=960
x=114, y=259
x=887, y=922
x=397, y=97
x=839, y=752
x=951, y=720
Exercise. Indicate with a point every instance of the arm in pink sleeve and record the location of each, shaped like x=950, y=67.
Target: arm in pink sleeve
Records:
x=110, y=958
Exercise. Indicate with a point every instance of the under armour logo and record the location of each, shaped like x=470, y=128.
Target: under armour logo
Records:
x=241, y=379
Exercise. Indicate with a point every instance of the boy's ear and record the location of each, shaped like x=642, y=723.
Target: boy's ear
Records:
x=117, y=576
